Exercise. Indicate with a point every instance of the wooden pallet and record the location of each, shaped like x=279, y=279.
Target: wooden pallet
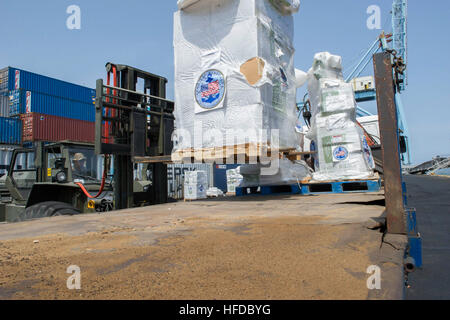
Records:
x=242, y=153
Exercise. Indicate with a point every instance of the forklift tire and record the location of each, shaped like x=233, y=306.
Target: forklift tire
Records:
x=47, y=209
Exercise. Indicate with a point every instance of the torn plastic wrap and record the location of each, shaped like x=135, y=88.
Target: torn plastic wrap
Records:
x=234, y=72
x=289, y=172
x=342, y=149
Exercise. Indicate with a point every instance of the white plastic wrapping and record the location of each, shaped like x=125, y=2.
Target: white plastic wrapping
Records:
x=289, y=172
x=343, y=154
x=183, y=4
x=214, y=192
x=300, y=78
x=234, y=71
x=195, y=185
x=284, y=6
x=234, y=179
x=342, y=149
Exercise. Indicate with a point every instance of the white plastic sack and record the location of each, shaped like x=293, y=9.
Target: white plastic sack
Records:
x=214, y=192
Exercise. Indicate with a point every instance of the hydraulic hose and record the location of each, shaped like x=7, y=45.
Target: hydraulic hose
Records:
x=102, y=186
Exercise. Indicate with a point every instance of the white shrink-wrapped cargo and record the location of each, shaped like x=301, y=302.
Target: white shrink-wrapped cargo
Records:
x=289, y=172
x=234, y=179
x=343, y=154
x=342, y=148
x=195, y=185
x=234, y=73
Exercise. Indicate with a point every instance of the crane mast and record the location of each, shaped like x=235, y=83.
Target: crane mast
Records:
x=400, y=34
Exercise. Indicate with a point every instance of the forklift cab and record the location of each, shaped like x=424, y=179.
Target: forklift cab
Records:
x=38, y=174
x=22, y=174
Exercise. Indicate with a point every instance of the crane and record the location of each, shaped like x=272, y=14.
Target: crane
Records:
x=400, y=35
x=400, y=45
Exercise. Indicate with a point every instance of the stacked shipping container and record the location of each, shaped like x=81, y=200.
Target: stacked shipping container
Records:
x=44, y=127
x=21, y=101
x=10, y=131
x=53, y=110
x=20, y=79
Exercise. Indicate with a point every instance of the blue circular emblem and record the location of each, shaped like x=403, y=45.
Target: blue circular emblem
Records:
x=210, y=89
x=340, y=153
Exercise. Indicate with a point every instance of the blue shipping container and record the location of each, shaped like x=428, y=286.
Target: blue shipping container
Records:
x=21, y=101
x=10, y=131
x=14, y=79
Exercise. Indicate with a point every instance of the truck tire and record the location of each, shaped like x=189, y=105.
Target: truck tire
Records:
x=47, y=209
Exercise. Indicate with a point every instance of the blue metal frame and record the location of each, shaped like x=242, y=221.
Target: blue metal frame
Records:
x=414, y=238
x=304, y=188
x=368, y=95
x=365, y=60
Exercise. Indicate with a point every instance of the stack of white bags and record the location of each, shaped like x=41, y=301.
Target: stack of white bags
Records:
x=195, y=185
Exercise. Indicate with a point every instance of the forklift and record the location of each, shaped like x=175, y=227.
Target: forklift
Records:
x=55, y=179
x=67, y=178
x=134, y=127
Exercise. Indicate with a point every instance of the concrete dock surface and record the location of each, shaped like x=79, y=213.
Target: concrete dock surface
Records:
x=257, y=247
x=431, y=198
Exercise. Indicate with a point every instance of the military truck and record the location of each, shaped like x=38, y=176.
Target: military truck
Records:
x=63, y=178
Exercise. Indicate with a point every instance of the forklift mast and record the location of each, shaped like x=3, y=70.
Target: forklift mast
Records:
x=133, y=124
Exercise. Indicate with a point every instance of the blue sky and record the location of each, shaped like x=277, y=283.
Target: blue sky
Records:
x=34, y=37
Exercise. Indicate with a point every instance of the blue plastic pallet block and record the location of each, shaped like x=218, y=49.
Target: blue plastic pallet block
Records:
x=313, y=188
x=268, y=190
x=342, y=187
